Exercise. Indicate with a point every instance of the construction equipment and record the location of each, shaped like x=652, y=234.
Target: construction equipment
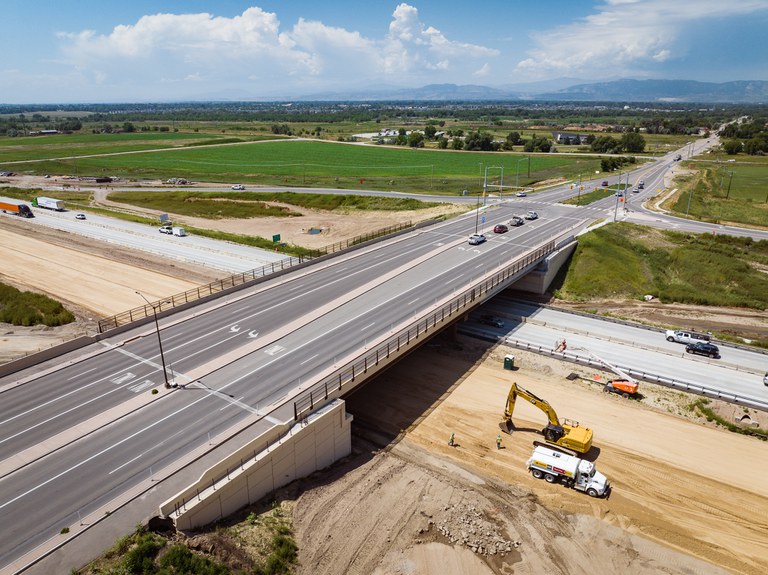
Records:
x=566, y=435
x=625, y=385
x=576, y=473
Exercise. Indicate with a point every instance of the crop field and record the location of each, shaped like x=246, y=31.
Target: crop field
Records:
x=312, y=163
x=28, y=148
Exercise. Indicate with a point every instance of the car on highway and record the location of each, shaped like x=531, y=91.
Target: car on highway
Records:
x=531, y=215
x=165, y=230
x=80, y=216
x=492, y=320
x=635, y=191
x=641, y=184
x=604, y=184
x=476, y=239
x=516, y=221
x=703, y=348
x=521, y=195
x=238, y=187
x=619, y=194
x=765, y=378
x=500, y=229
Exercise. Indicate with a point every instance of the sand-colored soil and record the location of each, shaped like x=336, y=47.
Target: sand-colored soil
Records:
x=684, y=499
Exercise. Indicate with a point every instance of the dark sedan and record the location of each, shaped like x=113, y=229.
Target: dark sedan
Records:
x=703, y=348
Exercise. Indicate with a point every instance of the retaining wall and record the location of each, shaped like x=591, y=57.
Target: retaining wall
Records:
x=244, y=477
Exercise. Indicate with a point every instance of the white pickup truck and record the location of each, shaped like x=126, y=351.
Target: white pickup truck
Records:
x=686, y=336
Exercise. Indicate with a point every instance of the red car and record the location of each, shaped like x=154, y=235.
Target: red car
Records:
x=500, y=229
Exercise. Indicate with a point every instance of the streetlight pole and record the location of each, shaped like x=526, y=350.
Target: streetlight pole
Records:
x=477, y=212
x=517, y=171
x=159, y=341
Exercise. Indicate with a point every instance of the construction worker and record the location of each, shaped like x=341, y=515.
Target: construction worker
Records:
x=451, y=440
x=498, y=441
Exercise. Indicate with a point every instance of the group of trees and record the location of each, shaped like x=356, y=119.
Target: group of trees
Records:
x=748, y=137
x=615, y=162
x=21, y=125
x=474, y=141
x=630, y=143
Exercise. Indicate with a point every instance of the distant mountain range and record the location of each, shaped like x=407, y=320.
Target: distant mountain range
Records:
x=667, y=91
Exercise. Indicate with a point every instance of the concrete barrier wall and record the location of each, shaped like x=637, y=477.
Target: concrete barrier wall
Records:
x=324, y=437
x=539, y=280
x=44, y=355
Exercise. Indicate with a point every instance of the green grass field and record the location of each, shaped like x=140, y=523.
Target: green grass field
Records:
x=700, y=269
x=726, y=192
x=24, y=149
x=326, y=164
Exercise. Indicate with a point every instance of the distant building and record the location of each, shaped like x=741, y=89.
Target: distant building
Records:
x=569, y=138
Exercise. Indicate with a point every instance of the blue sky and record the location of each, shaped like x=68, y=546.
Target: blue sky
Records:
x=63, y=51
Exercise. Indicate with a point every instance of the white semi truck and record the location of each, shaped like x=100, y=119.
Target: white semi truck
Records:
x=49, y=203
x=558, y=467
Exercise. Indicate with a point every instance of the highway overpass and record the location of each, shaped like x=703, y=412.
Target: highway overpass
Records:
x=83, y=433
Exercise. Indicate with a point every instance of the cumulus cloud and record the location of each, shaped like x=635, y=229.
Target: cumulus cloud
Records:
x=623, y=37
x=254, y=47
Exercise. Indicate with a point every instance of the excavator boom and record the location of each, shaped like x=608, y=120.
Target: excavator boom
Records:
x=568, y=434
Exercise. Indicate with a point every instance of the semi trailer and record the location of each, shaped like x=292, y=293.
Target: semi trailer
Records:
x=48, y=203
x=21, y=210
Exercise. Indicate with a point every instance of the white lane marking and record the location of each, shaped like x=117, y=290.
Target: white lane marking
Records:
x=139, y=387
x=367, y=326
x=231, y=404
x=309, y=359
x=253, y=333
x=413, y=301
x=81, y=374
x=100, y=453
x=235, y=328
x=274, y=350
x=123, y=378
x=165, y=440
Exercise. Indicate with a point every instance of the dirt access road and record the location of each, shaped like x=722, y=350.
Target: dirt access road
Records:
x=687, y=498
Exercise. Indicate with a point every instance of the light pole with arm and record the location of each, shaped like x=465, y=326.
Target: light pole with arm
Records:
x=159, y=341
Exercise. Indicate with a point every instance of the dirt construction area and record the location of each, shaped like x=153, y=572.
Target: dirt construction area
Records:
x=686, y=497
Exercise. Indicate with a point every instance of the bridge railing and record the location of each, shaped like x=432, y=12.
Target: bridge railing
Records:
x=235, y=280
x=333, y=384
x=197, y=293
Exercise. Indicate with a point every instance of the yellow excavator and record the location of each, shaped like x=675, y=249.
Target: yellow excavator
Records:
x=566, y=435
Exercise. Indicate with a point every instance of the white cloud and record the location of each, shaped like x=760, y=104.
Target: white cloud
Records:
x=252, y=50
x=624, y=37
x=483, y=71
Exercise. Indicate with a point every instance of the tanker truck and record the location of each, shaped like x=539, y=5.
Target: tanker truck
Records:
x=558, y=467
x=21, y=210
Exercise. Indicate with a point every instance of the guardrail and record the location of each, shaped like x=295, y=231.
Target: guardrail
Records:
x=644, y=375
x=333, y=384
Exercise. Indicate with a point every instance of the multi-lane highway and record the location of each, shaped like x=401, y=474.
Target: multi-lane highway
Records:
x=738, y=372
x=236, y=357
